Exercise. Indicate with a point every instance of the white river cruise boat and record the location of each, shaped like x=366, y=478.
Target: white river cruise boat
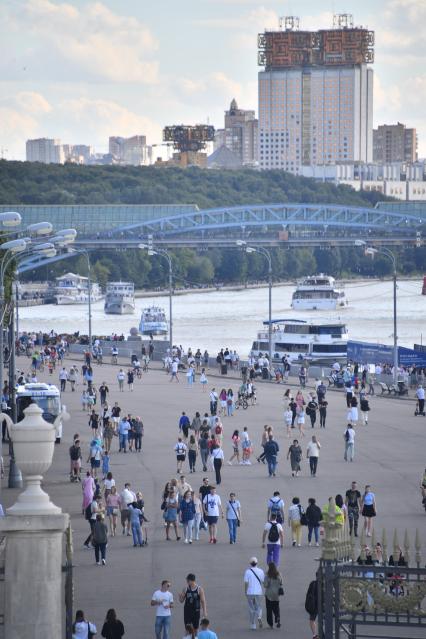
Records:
x=317, y=342
x=153, y=321
x=74, y=289
x=120, y=298
x=318, y=293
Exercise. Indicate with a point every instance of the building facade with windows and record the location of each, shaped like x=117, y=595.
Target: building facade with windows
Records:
x=394, y=143
x=45, y=150
x=240, y=134
x=315, y=97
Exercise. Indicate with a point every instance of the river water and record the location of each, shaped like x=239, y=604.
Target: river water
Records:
x=231, y=318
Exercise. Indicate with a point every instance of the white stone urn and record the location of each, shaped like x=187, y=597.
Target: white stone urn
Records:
x=33, y=444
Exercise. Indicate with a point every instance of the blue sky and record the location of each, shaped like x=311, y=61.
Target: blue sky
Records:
x=83, y=70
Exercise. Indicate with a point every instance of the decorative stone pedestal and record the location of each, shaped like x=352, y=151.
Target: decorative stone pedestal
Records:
x=34, y=594
x=34, y=530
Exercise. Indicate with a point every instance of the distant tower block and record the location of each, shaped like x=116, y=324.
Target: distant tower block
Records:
x=189, y=141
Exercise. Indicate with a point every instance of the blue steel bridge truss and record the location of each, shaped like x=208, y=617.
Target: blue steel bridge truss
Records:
x=261, y=220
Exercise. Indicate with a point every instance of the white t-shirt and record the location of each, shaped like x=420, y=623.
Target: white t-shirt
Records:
x=217, y=453
x=120, y=377
x=288, y=417
x=212, y=504
x=82, y=629
x=166, y=599
x=313, y=449
x=180, y=448
x=109, y=483
x=174, y=367
x=253, y=585
x=268, y=526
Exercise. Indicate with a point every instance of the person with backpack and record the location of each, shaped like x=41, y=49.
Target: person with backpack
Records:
x=276, y=507
x=82, y=629
x=180, y=450
x=295, y=513
x=311, y=410
x=311, y=607
x=75, y=459
x=274, y=531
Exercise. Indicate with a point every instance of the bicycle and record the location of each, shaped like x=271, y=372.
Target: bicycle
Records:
x=241, y=402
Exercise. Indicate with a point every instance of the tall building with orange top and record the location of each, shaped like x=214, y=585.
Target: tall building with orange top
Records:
x=315, y=95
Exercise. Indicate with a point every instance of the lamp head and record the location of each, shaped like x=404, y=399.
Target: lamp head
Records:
x=67, y=232
x=240, y=243
x=14, y=246
x=250, y=249
x=40, y=228
x=360, y=243
x=10, y=218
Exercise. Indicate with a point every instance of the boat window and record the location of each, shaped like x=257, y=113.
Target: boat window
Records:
x=299, y=328
x=284, y=347
x=329, y=348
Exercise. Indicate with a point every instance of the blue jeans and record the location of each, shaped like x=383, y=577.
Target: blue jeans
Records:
x=137, y=534
x=123, y=442
x=273, y=553
x=272, y=465
x=315, y=530
x=349, y=451
x=232, y=525
x=162, y=627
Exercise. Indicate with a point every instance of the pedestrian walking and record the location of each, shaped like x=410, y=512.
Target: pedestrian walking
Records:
x=230, y=402
x=218, y=457
x=198, y=515
x=212, y=505
x=204, y=450
x=420, y=395
x=313, y=518
x=81, y=628
x=180, y=450
x=100, y=539
x=187, y=515
x=273, y=532
x=123, y=434
x=213, y=401
x=311, y=410
x=294, y=521
x=349, y=437
x=205, y=632
x=253, y=588
x=323, y=413
x=174, y=368
x=235, y=447
x=312, y=453
x=273, y=590
x=194, y=601
x=63, y=376
x=113, y=509
x=369, y=510
x=233, y=517
x=130, y=379
x=295, y=455
x=135, y=524
x=94, y=423
x=353, y=411
x=276, y=507
x=353, y=504
x=113, y=628
x=120, y=378
x=192, y=453
x=311, y=607
x=162, y=599
x=171, y=508
x=271, y=450
x=126, y=498
x=301, y=420
x=365, y=408
x=103, y=392
x=288, y=419
x=203, y=379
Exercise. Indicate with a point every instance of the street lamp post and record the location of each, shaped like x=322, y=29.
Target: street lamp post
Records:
x=383, y=250
x=263, y=251
x=168, y=257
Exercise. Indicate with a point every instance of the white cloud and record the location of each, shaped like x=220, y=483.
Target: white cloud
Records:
x=90, y=42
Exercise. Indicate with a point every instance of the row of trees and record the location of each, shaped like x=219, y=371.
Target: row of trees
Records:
x=193, y=269
x=33, y=183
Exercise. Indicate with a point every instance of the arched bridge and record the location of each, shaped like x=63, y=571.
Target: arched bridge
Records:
x=269, y=223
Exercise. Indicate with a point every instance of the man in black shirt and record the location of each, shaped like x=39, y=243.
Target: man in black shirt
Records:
x=353, y=503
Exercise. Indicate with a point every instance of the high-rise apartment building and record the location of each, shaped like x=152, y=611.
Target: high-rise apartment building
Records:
x=46, y=150
x=133, y=150
x=240, y=134
x=315, y=95
x=394, y=143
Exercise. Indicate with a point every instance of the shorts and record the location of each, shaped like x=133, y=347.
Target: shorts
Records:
x=212, y=520
x=313, y=617
x=180, y=458
x=75, y=464
x=95, y=463
x=125, y=516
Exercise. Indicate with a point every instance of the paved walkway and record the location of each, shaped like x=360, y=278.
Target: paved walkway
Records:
x=389, y=456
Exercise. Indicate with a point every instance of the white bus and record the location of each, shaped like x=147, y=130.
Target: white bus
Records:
x=47, y=397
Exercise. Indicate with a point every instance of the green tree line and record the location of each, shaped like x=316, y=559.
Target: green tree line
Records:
x=34, y=183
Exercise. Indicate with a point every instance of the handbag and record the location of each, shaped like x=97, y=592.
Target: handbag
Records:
x=281, y=591
x=115, y=511
x=238, y=521
x=303, y=518
x=90, y=634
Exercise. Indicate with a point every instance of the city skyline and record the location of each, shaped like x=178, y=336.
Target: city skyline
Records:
x=83, y=71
